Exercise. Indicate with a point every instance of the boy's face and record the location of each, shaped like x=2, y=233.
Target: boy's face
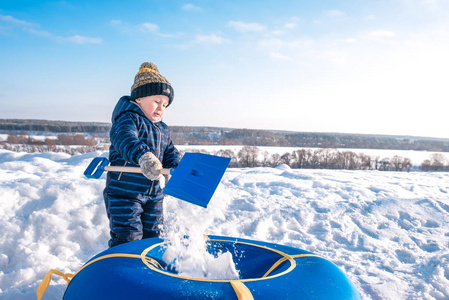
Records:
x=153, y=106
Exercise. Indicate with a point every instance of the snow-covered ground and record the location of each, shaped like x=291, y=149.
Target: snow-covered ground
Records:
x=388, y=231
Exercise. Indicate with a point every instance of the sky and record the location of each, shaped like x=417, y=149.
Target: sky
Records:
x=349, y=66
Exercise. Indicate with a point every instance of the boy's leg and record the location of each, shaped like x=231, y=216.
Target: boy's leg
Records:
x=152, y=217
x=124, y=219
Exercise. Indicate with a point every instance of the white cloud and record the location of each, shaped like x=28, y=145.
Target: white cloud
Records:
x=211, y=39
x=78, y=39
x=153, y=29
x=14, y=21
x=382, y=34
x=277, y=32
x=191, y=7
x=286, y=27
x=41, y=33
x=149, y=28
x=116, y=22
x=279, y=56
x=334, y=13
x=224, y=66
x=279, y=44
x=290, y=25
x=31, y=28
x=246, y=27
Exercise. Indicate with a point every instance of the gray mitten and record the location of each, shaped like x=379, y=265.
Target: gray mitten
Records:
x=151, y=166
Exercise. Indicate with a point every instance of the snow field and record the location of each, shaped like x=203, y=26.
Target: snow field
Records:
x=388, y=231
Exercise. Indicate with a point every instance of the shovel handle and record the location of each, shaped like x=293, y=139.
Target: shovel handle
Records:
x=132, y=169
x=100, y=164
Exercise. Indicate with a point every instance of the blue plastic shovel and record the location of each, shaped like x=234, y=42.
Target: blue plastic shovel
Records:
x=194, y=180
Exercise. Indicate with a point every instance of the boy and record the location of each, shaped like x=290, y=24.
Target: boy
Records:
x=139, y=138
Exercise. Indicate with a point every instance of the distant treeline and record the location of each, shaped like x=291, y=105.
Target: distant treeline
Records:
x=65, y=143
x=252, y=137
x=18, y=125
x=188, y=135
x=247, y=156
x=61, y=139
x=326, y=158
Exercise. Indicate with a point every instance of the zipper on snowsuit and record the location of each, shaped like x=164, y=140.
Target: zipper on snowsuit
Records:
x=158, y=153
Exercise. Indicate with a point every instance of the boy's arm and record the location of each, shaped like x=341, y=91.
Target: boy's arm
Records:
x=171, y=156
x=124, y=138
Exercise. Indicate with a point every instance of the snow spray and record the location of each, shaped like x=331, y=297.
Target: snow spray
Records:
x=186, y=246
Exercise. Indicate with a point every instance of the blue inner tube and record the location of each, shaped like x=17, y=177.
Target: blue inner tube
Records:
x=267, y=271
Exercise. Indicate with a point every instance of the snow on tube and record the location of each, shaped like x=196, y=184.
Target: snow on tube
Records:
x=135, y=270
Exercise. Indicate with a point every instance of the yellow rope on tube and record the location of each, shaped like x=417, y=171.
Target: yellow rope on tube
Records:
x=46, y=281
x=288, y=257
x=242, y=292
x=68, y=276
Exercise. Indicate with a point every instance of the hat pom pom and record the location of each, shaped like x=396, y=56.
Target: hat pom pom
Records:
x=148, y=67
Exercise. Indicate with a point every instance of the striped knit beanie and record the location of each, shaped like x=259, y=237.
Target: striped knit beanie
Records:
x=148, y=82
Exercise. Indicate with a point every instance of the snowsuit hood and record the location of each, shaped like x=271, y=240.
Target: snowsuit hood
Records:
x=125, y=104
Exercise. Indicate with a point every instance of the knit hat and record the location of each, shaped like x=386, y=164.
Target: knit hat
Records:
x=148, y=82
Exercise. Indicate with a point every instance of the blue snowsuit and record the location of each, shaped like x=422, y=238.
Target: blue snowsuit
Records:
x=133, y=202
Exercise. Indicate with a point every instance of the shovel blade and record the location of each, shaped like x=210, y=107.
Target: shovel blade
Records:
x=197, y=177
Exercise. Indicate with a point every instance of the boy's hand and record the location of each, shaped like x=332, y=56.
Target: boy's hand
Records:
x=151, y=166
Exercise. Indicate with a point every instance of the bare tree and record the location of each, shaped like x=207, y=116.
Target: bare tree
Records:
x=365, y=161
x=437, y=161
x=384, y=164
x=265, y=159
x=326, y=157
x=275, y=160
x=407, y=164
x=248, y=156
x=396, y=161
x=286, y=158
x=299, y=158
x=50, y=143
x=12, y=138
x=228, y=153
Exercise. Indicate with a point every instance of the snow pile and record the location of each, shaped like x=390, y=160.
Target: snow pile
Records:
x=388, y=231
x=189, y=257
